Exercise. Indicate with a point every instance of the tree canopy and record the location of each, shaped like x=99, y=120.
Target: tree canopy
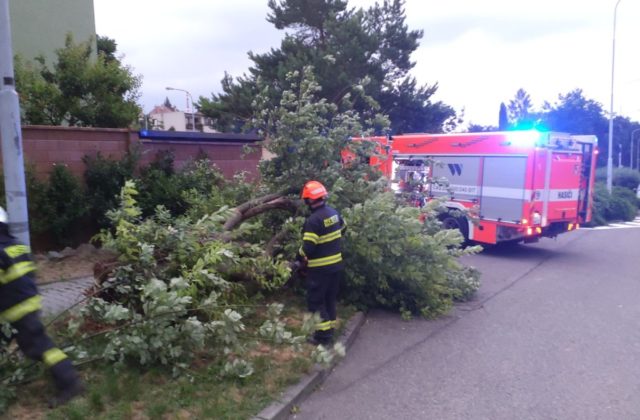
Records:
x=79, y=89
x=571, y=113
x=347, y=47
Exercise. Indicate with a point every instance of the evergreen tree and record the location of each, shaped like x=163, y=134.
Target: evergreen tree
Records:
x=349, y=49
x=520, y=109
x=575, y=114
x=168, y=104
x=503, y=119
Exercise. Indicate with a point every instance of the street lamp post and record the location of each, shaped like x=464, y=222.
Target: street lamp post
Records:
x=613, y=59
x=632, y=150
x=192, y=108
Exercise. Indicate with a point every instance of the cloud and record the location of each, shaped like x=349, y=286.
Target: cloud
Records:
x=501, y=29
x=479, y=52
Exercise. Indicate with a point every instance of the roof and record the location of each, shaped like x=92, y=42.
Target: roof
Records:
x=198, y=136
x=161, y=109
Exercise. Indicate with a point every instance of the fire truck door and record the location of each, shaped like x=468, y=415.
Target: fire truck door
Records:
x=463, y=175
x=503, y=193
x=585, y=181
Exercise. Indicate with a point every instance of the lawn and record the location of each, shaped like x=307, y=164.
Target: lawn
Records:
x=200, y=391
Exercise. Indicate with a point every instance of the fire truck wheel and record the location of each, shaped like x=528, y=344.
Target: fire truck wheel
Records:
x=460, y=223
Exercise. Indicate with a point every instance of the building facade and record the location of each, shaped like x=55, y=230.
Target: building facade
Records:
x=168, y=118
x=40, y=27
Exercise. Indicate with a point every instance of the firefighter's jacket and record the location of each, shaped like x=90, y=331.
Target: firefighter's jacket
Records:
x=18, y=292
x=322, y=240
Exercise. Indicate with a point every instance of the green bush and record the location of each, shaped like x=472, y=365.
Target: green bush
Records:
x=37, y=203
x=622, y=177
x=66, y=202
x=198, y=188
x=40, y=211
x=159, y=186
x=601, y=200
x=425, y=276
x=621, y=204
x=104, y=178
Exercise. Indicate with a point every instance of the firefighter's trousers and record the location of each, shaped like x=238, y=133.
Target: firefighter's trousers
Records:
x=322, y=293
x=36, y=345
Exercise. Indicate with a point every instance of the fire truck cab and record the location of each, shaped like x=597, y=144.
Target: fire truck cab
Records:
x=510, y=186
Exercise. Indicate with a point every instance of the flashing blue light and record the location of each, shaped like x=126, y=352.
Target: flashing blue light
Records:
x=143, y=133
x=527, y=138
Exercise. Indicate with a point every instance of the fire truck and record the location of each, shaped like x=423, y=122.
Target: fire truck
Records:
x=513, y=186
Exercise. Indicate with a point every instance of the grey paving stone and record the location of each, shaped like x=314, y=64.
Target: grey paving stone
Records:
x=56, y=297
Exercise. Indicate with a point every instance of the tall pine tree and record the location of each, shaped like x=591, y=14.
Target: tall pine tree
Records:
x=351, y=51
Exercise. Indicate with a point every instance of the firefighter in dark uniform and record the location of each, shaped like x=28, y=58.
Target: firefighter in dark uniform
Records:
x=321, y=253
x=20, y=305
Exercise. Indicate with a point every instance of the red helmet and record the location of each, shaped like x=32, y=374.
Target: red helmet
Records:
x=314, y=190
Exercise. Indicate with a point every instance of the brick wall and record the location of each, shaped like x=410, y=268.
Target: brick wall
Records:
x=45, y=146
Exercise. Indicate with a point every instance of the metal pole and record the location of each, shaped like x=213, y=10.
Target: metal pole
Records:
x=192, y=108
x=11, y=135
x=631, y=152
x=193, y=112
x=619, y=156
x=632, y=148
x=613, y=59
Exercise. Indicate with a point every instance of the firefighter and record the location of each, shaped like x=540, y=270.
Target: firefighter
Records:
x=321, y=254
x=20, y=305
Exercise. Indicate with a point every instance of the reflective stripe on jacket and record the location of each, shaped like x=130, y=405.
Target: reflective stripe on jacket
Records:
x=18, y=291
x=322, y=239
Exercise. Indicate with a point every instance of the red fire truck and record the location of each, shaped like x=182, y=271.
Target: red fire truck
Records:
x=509, y=186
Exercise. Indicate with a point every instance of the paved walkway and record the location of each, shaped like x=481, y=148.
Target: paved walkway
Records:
x=58, y=296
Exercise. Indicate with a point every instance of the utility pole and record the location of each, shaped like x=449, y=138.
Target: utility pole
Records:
x=192, y=108
x=11, y=135
x=633, y=150
x=613, y=60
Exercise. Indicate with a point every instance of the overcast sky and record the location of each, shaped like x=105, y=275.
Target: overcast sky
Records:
x=480, y=52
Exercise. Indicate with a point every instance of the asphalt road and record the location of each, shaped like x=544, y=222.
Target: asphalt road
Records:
x=554, y=333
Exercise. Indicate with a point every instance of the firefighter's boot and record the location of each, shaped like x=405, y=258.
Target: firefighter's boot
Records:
x=68, y=383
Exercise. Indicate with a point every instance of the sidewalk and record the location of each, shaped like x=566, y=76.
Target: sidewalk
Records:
x=58, y=296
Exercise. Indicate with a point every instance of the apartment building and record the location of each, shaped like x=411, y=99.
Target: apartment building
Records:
x=39, y=27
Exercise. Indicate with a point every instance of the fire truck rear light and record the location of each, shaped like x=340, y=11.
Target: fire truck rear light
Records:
x=539, y=230
x=577, y=226
x=524, y=221
x=529, y=231
x=570, y=226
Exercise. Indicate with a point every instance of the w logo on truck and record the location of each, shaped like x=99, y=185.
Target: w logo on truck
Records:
x=455, y=168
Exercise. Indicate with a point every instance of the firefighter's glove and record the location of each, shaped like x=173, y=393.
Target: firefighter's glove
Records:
x=298, y=265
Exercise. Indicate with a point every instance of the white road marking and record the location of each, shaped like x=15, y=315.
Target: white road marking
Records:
x=625, y=225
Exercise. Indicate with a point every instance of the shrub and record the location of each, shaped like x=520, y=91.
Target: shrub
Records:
x=626, y=178
x=173, y=293
x=158, y=186
x=37, y=202
x=621, y=204
x=425, y=276
x=601, y=199
x=104, y=177
x=40, y=210
x=67, y=203
x=621, y=177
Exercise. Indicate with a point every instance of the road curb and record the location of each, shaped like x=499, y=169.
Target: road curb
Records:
x=281, y=408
